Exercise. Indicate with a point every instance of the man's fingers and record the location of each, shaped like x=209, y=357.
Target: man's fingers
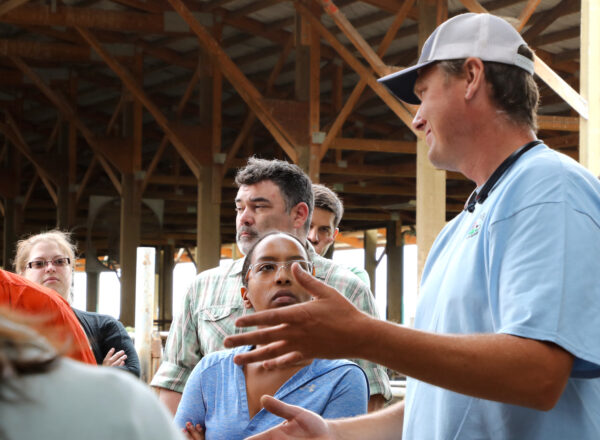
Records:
x=266, y=317
x=315, y=287
x=286, y=360
x=262, y=336
x=265, y=352
x=279, y=408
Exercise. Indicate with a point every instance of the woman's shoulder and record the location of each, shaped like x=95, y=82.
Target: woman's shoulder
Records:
x=99, y=321
x=324, y=366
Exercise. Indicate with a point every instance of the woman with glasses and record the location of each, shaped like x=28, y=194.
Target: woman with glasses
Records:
x=48, y=259
x=221, y=400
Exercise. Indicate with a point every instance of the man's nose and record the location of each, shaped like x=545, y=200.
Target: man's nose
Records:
x=313, y=237
x=245, y=217
x=418, y=122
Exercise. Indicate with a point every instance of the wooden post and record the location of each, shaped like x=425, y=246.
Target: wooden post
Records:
x=208, y=233
x=130, y=239
x=131, y=206
x=370, y=240
x=589, y=130
x=10, y=232
x=208, y=224
x=165, y=306
x=394, y=249
x=144, y=311
x=12, y=208
x=314, y=107
x=302, y=43
x=72, y=160
x=92, y=285
x=431, y=183
x=62, y=189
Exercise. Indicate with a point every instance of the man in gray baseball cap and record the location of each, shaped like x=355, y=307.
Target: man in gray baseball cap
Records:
x=506, y=343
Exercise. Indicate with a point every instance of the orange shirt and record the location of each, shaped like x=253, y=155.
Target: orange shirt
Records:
x=58, y=320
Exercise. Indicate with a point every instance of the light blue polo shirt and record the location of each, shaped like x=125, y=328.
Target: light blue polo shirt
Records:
x=526, y=262
x=215, y=395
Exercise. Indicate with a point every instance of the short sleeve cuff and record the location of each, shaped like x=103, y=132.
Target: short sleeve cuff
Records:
x=379, y=382
x=171, y=376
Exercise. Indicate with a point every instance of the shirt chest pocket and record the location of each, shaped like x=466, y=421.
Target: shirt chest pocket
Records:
x=215, y=323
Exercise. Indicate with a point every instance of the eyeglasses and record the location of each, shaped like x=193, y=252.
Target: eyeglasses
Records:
x=269, y=268
x=56, y=262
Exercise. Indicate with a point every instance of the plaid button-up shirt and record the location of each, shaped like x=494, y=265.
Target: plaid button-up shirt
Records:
x=214, y=302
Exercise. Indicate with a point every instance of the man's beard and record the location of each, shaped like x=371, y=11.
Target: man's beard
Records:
x=245, y=243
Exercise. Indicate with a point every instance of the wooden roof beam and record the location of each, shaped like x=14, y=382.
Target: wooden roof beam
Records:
x=45, y=51
x=165, y=141
x=559, y=123
x=546, y=18
x=69, y=114
x=555, y=37
x=237, y=78
x=132, y=85
x=401, y=170
x=366, y=76
x=12, y=132
x=9, y=5
x=355, y=38
x=121, y=21
x=374, y=145
x=526, y=13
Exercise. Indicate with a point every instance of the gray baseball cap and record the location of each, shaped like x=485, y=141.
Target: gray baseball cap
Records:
x=483, y=36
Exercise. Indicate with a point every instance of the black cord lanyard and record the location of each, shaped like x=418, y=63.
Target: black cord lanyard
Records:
x=481, y=196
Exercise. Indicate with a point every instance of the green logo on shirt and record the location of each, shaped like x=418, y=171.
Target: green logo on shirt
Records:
x=476, y=226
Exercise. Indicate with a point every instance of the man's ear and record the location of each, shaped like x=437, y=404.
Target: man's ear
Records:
x=247, y=303
x=299, y=215
x=335, y=233
x=474, y=71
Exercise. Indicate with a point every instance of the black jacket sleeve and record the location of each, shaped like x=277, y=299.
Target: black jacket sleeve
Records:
x=116, y=336
x=105, y=332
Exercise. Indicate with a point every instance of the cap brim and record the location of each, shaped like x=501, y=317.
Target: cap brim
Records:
x=402, y=83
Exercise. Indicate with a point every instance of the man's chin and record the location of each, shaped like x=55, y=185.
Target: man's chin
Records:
x=245, y=244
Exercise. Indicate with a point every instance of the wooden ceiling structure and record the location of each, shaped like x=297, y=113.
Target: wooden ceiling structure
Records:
x=108, y=101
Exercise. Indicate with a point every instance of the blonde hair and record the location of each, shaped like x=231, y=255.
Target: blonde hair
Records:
x=61, y=238
x=22, y=351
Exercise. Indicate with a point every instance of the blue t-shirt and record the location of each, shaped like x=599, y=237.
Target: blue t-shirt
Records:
x=525, y=263
x=215, y=395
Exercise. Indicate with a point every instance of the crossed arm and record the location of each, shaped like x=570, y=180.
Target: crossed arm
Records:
x=496, y=367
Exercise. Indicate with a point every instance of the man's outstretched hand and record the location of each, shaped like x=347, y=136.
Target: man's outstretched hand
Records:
x=329, y=327
x=299, y=424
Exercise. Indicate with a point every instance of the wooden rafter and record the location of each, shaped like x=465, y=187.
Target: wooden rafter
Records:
x=133, y=86
x=548, y=17
x=526, y=13
x=236, y=77
x=165, y=140
x=69, y=113
x=9, y=5
x=86, y=178
x=12, y=132
x=366, y=76
x=65, y=16
x=356, y=38
x=375, y=145
x=251, y=117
